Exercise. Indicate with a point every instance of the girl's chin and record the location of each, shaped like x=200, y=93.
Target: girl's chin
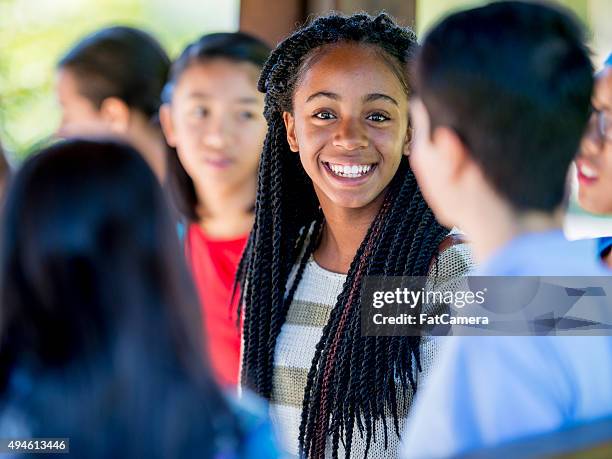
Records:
x=594, y=204
x=340, y=200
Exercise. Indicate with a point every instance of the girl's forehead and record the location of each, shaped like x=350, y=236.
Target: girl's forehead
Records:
x=365, y=67
x=337, y=56
x=220, y=78
x=208, y=70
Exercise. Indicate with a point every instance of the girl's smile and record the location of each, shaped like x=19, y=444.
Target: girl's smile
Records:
x=594, y=161
x=587, y=173
x=348, y=173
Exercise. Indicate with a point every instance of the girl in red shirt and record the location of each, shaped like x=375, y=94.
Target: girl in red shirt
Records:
x=213, y=117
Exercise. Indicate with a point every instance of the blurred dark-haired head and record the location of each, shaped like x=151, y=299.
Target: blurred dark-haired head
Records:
x=110, y=83
x=99, y=325
x=234, y=46
x=120, y=62
x=513, y=80
x=213, y=116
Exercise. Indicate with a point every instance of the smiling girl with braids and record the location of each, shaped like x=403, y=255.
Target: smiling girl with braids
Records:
x=336, y=202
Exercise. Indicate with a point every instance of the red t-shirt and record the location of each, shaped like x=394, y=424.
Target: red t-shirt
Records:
x=213, y=264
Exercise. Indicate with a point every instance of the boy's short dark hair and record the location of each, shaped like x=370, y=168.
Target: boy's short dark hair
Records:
x=514, y=80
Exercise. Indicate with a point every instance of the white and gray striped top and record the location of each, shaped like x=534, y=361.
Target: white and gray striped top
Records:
x=308, y=314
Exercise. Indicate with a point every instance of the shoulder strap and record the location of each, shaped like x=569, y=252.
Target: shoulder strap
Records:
x=449, y=241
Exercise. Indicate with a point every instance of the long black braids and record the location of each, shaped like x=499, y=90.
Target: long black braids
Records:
x=353, y=379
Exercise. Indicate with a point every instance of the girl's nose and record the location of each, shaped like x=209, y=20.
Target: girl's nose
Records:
x=216, y=134
x=350, y=135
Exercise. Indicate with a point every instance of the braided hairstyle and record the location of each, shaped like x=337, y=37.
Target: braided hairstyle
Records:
x=353, y=379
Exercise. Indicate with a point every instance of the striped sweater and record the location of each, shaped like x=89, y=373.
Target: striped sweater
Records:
x=308, y=313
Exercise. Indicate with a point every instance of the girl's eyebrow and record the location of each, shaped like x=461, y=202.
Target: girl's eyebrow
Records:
x=199, y=95
x=367, y=98
x=378, y=96
x=330, y=95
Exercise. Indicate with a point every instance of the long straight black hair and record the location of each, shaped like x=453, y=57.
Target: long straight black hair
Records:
x=99, y=328
x=352, y=378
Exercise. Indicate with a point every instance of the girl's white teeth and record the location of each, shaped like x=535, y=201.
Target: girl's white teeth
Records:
x=350, y=171
x=588, y=172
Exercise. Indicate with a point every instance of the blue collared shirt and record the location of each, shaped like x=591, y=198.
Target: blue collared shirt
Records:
x=488, y=390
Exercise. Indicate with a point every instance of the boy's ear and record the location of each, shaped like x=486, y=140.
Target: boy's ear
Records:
x=408, y=141
x=454, y=151
x=116, y=113
x=165, y=119
x=289, y=121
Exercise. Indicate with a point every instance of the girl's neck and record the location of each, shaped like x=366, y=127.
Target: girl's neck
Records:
x=608, y=259
x=149, y=141
x=343, y=233
x=226, y=213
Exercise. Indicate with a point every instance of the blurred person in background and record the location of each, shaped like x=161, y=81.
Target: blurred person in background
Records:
x=100, y=339
x=214, y=119
x=594, y=163
x=110, y=83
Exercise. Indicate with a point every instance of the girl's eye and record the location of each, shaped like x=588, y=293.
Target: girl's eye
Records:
x=200, y=112
x=378, y=117
x=247, y=115
x=324, y=115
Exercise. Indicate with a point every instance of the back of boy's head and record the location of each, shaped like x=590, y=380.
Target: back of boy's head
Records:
x=514, y=81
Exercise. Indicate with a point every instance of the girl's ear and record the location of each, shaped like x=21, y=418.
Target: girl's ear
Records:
x=116, y=113
x=408, y=141
x=165, y=119
x=290, y=128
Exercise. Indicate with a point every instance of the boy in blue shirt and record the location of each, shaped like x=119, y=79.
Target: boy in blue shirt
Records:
x=502, y=98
